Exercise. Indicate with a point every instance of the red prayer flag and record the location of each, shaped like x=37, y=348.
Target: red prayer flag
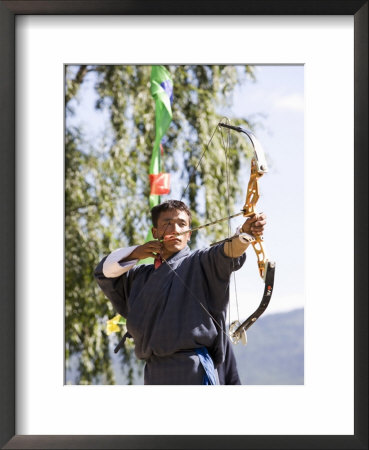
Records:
x=160, y=183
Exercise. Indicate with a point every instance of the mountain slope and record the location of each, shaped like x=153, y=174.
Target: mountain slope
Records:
x=275, y=350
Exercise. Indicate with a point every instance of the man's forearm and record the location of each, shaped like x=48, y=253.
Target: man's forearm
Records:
x=132, y=256
x=238, y=245
x=119, y=262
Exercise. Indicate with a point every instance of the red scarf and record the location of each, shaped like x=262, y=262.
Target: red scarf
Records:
x=158, y=262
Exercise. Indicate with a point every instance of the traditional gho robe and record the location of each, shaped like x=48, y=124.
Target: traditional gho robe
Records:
x=165, y=309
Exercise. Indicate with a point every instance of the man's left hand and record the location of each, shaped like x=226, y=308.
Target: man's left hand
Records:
x=254, y=225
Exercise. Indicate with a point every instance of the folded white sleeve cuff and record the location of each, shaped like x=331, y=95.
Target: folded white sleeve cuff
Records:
x=112, y=268
x=243, y=237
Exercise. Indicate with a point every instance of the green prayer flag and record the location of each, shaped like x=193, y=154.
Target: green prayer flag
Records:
x=161, y=89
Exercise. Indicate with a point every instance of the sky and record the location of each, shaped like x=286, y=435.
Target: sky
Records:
x=275, y=103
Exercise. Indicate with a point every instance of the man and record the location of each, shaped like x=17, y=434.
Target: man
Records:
x=176, y=308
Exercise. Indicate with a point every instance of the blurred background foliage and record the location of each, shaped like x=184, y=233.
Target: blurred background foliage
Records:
x=107, y=186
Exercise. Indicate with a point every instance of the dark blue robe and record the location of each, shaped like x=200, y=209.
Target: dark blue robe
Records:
x=170, y=313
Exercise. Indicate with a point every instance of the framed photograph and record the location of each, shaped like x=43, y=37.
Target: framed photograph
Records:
x=329, y=40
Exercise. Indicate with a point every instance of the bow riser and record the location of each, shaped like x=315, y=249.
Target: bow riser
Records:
x=260, y=255
x=252, y=197
x=252, y=194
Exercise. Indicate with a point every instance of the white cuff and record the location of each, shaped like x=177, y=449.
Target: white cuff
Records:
x=112, y=268
x=243, y=237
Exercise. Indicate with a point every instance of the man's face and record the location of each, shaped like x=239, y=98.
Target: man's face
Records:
x=171, y=222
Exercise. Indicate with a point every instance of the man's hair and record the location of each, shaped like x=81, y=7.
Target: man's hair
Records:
x=166, y=206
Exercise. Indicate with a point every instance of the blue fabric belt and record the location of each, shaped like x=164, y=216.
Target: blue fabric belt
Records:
x=208, y=365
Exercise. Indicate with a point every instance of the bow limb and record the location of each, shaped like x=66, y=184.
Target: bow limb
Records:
x=237, y=330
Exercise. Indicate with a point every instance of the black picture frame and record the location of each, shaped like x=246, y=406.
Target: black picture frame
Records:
x=8, y=10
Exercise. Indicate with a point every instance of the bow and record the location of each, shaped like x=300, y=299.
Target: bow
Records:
x=237, y=330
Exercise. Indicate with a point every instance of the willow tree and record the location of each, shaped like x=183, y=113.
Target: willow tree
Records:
x=107, y=186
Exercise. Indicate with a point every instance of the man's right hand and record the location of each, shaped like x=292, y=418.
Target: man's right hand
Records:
x=148, y=250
